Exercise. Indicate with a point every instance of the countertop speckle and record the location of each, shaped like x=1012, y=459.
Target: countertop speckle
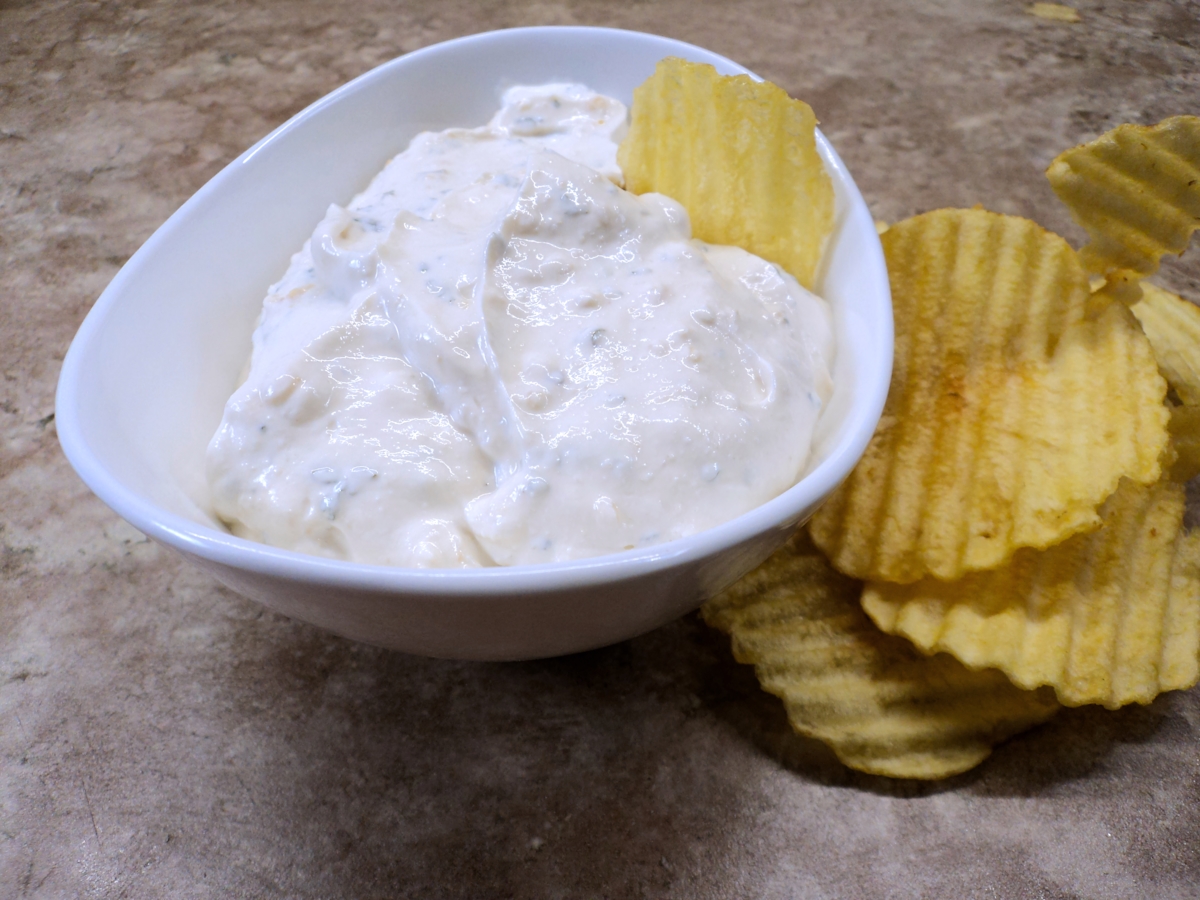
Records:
x=161, y=736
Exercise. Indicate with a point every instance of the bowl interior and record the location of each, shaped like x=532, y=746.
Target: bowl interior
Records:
x=146, y=379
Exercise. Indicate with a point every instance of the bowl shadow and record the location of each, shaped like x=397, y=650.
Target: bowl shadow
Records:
x=639, y=767
x=542, y=778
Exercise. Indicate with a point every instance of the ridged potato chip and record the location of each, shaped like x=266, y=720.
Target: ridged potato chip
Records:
x=1016, y=404
x=1136, y=191
x=1109, y=617
x=880, y=705
x=740, y=155
x=1173, y=327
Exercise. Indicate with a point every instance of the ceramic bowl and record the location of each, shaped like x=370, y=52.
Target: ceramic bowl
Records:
x=143, y=386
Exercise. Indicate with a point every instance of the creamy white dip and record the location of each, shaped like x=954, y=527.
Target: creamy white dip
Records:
x=495, y=355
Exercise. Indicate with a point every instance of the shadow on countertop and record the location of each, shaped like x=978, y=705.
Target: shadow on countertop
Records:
x=1068, y=747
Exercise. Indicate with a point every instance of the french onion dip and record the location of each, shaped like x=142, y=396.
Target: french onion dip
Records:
x=495, y=355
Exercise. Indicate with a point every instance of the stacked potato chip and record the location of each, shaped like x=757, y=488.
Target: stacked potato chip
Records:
x=1109, y=612
x=1020, y=506
x=879, y=704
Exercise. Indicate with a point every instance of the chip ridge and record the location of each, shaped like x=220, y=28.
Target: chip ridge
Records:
x=882, y=706
x=1135, y=190
x=1001, y=429
x=1110, y=617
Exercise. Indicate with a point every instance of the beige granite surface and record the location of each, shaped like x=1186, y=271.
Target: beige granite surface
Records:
x=163, y=737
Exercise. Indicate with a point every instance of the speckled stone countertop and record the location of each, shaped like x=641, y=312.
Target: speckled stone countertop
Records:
x=161, y=736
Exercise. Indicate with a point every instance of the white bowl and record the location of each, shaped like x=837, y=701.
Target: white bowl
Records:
x=143, y=386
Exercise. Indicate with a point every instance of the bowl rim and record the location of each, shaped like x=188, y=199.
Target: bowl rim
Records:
x=206, y=543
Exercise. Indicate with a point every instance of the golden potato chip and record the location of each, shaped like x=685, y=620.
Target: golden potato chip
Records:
x=1136, y=191
x=1054, y=11
x=1015, y=405
x=1185, y=441
x=1109, y=617
x=1173, y=327
x=740, y=155
x=880, y=705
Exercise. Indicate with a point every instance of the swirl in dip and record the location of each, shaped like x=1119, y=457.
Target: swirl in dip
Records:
x=495, y=355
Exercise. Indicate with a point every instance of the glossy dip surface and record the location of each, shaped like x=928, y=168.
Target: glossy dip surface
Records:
x=495, y=355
